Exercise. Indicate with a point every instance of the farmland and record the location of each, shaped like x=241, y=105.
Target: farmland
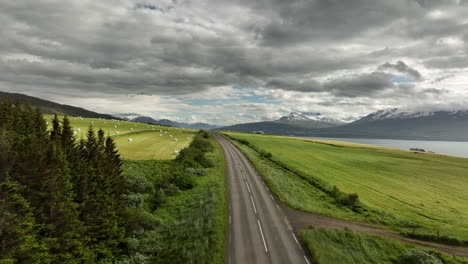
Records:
x=424, y=189
x=146, y=144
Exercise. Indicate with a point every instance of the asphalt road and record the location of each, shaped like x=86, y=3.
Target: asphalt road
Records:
x=259, y=232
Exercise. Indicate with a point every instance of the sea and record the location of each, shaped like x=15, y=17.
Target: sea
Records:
x=452, y=148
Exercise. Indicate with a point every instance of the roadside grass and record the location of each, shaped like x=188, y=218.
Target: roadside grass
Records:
x=428, y=190
x=168, y=222
x=333, y=246
x=146, y=143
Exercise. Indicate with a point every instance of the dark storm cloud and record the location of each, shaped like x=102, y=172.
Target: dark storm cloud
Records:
x=401, y=67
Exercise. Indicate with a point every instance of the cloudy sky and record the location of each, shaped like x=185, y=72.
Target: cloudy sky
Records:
x=231, y=61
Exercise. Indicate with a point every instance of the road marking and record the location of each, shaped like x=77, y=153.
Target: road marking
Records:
x=295, y=238
x=277, y=206
x=248, y=188
x=267, y=188
x=306, y=260
x=229, y=219
x=261, y=233
x=273, y=198
x=255, y=209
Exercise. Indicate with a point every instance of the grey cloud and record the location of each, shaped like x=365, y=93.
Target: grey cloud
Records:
x=362, y=85
x=401, y=67
x=185, y=47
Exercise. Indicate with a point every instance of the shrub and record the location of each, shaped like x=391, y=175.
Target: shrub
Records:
x=196, y=172
x=138, y=219
x=137, y=184
x=183, y=180
x=134, y=200
x=419, y=256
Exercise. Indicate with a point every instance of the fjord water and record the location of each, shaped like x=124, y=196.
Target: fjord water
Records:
x=452, y=148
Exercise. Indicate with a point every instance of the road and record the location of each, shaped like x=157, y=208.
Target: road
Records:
x=259, y=232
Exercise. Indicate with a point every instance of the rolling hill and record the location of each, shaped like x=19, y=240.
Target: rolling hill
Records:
x=48, y=107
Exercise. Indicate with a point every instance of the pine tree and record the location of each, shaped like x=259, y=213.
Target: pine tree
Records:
x=64, y=230
x=19, y=241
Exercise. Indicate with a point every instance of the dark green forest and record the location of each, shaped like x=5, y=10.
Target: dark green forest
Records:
x=60, y=198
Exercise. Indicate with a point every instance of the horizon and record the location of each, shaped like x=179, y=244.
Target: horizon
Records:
x=229, y=62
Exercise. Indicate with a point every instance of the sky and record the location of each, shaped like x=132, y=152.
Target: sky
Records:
x=235, y=61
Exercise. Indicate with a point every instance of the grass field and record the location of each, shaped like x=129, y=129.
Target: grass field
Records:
x=331, y=246
x=146, y=144
x=429, y=190
x=172, y=225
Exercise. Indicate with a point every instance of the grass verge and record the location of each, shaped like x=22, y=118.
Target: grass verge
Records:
x=177, y=210
x=332, y=246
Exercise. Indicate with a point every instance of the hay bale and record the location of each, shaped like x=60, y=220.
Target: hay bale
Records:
x=117, y=132
x=130, y=139
x=176, y=152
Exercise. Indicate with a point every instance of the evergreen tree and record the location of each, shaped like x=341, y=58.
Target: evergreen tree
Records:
x=19, y=241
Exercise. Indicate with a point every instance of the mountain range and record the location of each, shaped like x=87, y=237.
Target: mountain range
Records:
x=387, y=124
x=165, y=122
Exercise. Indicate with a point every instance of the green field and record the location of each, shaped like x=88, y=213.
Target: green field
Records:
x=330, y=246
x=146, y=144
x=430, y=190
x=170, y=222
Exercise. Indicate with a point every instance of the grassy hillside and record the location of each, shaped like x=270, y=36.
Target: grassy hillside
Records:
x=146, y=143
x=429, y=190
x=48, y=107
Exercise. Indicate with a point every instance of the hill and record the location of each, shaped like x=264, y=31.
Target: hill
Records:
x=398, y=124
x=292, y=124
x=48, y=107
x=167, y=122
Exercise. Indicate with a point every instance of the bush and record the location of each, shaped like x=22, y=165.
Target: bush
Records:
x=183, y=180
x=137, y=184
x=138, y=219
x=134, y=200
x=196, y=172
x=419, y=256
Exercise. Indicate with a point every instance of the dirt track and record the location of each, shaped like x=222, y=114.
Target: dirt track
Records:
x=300, y=220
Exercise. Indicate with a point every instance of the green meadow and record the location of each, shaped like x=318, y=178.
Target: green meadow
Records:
x=426, y=189
x=331, y=246
x=146, y=142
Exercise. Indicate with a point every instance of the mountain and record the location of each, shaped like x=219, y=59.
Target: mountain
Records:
x=167, y=122
x=294, y=116
x=292, y=124
x=127, y=116
x=49, y=107
x=398, y=124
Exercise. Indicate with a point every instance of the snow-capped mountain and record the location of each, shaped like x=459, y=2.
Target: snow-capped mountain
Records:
x=396, y=113
x=328, y=120
x=294, y=116
x=127, y=116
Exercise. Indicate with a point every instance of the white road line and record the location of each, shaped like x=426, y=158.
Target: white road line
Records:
x=230, y=220
x=261, y=233
x=255, y=209
x=277, y=206
x=273, y=198
x=248, y=188
x=267, y=188
x=306, y=260
x=295, y=238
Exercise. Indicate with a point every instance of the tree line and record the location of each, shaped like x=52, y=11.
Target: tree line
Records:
x=60, y=197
